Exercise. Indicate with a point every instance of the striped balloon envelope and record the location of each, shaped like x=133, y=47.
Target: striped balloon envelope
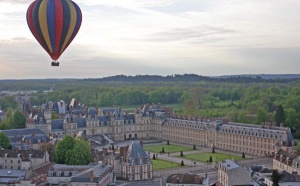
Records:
x=54, y=24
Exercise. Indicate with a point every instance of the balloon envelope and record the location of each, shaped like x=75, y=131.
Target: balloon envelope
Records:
x=54, y=24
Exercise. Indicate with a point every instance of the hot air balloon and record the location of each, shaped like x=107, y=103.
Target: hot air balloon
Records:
x=54, y=24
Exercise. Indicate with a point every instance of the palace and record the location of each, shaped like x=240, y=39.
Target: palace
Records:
x=153, y=121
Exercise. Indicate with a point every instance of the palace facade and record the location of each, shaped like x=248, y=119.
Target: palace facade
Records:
x=153, y=121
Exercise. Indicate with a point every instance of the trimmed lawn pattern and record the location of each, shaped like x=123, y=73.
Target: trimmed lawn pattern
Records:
x=162, y=164
x=168, y=148
x=217, y=157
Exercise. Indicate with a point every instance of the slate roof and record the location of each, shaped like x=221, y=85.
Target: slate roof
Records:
x=23, y=153
x=98, y=170
x=289, y=177
x=25, y=131
x=73, y=168
x=57, y=124
x=229, y=164
x=103, y=120
x=32, y=135
x=81, y=122
x=11, y=176
x=136, y=155
x=185, y=179
x=92, y=112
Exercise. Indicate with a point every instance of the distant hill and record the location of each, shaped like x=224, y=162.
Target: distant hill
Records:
x=151, y=80
x=252, y=78
x=264, y=76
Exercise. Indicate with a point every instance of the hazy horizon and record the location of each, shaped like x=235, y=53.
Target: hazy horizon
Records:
x=159, y=37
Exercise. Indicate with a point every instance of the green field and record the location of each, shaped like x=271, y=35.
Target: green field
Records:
x=217, y=157
x=168, y=148
x=162, y=164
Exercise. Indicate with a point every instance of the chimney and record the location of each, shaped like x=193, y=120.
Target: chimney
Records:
x=287, y=160
x=281, y=158
x=92, y=176
x=262, y=124
x=281, y=125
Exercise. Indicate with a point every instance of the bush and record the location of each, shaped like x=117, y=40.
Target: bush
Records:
x=168, y=142
x=182, y=163
x=213, y=150
x=210, y=159
x=154, y=158
x=163, y=150
x=181, y=154
x=194, y=147
x=243, y=155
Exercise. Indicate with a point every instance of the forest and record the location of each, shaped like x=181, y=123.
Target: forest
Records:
x=241, y=99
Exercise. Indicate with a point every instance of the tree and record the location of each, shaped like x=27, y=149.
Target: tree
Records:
x=80, y=154
x=243, y=155
x=153, y=157
x=18, y=120
x=280, y=115
x=291, y=118
x=181, y=154
x=168, y=142
x=6, y=123
x=194, y=147
x=276, y=177
x=182, y=163
x=210, y=159
x=4, y=141
x=163, y=150
x=261, y=115
x=213, y=150
x=62, y=148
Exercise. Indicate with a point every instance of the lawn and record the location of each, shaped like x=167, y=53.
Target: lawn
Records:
x=217, y=157
x=162, y=164
x=168, y=148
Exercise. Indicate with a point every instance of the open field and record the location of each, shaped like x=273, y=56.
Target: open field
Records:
x=162, y=164
x=217, y=157
x=168, y=148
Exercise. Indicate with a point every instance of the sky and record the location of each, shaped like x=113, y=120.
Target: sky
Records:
x=159, y=37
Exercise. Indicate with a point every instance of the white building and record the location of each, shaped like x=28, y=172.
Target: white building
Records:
x=230, y=174
x=135, y=163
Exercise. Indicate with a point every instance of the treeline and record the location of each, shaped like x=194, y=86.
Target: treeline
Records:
x=191, y=78
x=122, y=80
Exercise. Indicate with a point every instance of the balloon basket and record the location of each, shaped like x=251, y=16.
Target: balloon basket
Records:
x=55, y=64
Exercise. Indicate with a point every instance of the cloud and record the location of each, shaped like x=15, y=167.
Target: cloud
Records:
x=189, y=34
